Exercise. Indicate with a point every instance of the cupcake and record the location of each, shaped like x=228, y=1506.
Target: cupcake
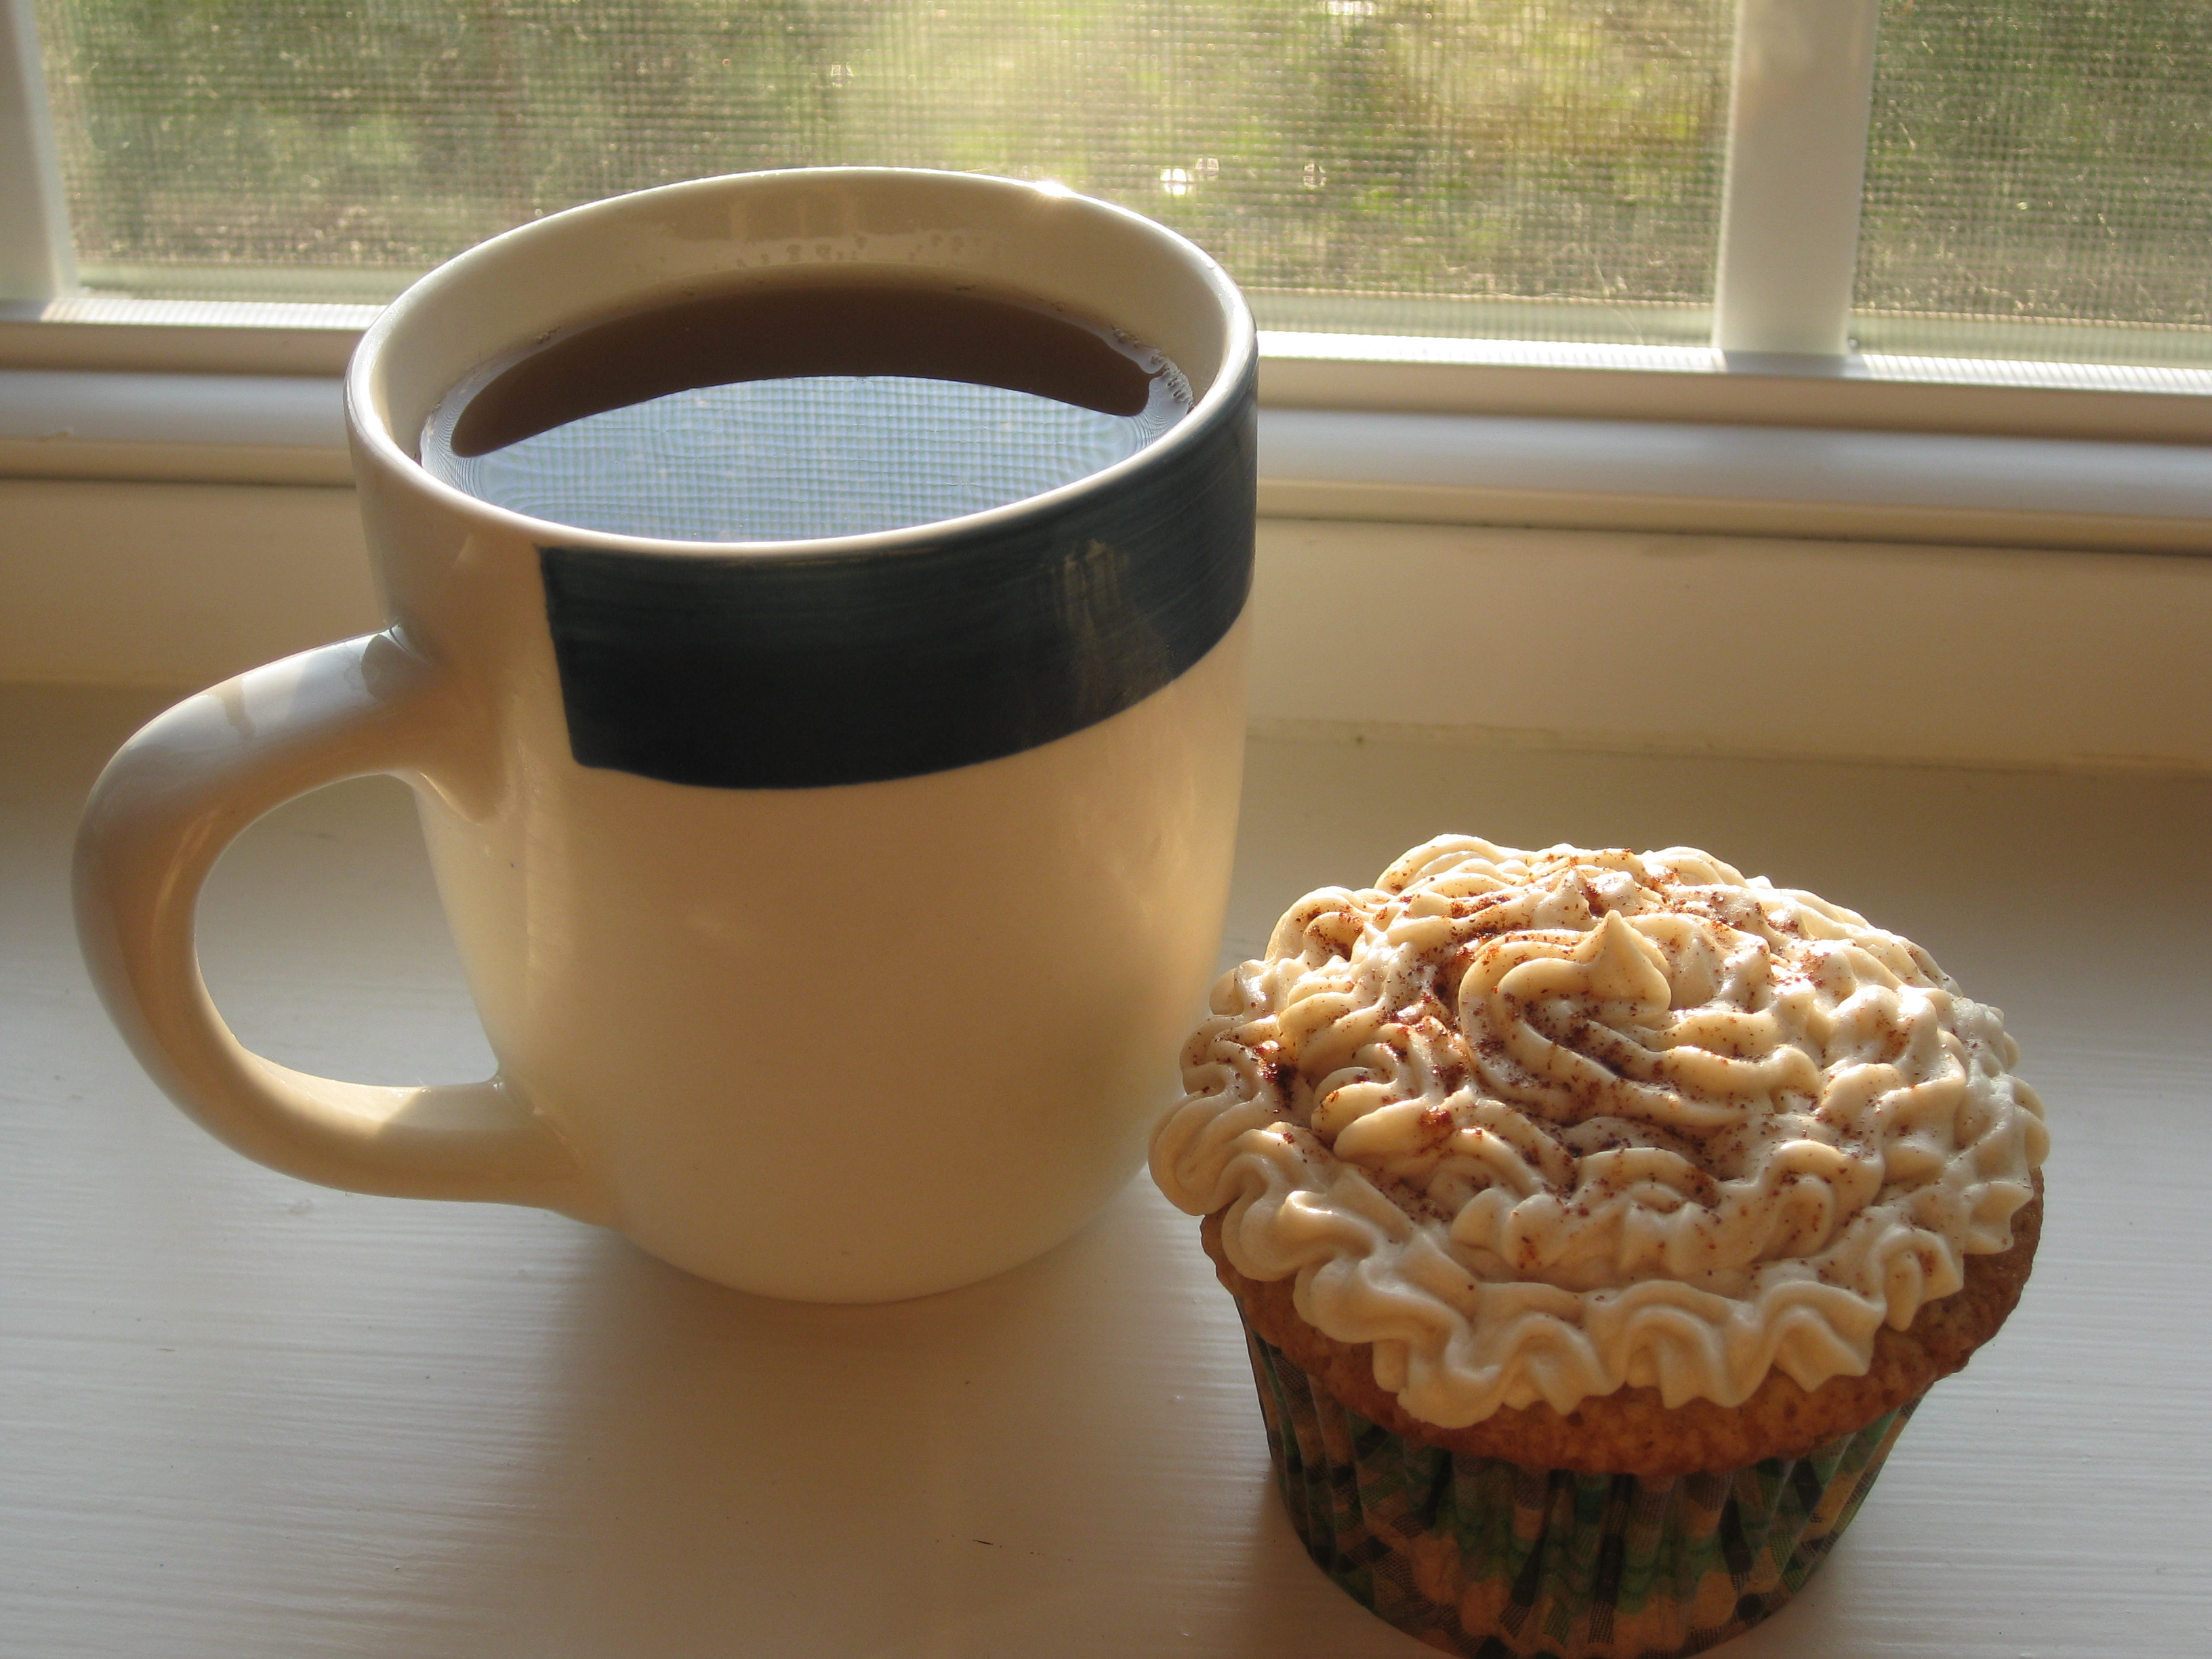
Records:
x=1597, y=1219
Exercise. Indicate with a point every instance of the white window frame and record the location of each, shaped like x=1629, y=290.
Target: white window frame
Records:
x=1779, y=354
x=1775, y=434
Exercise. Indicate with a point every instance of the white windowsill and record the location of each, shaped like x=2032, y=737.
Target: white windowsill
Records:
x=1973, y=574
x=248, y=1416
x=1386, y=466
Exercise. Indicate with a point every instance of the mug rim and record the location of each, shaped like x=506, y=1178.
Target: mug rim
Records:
x=1222, y=400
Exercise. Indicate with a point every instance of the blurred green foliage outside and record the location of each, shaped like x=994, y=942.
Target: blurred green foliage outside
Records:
x=2043, y=159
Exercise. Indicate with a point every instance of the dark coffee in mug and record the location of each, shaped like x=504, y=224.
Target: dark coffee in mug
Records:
x=783, y=412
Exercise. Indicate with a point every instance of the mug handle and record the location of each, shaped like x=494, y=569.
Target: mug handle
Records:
x=170, y=801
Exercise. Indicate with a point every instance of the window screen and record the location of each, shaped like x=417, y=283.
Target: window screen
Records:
x=2039, y=171
x=2039, y=178
x=1529, y=167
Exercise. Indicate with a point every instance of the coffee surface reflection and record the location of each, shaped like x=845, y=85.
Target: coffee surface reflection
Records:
x=780, y=413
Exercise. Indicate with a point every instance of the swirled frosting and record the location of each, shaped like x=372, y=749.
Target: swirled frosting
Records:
x=1541, y=1126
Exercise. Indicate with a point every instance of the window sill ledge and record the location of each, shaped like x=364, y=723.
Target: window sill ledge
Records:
x=1555, y=471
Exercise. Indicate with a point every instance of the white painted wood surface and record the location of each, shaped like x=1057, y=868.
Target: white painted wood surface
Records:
x=37, y=260
x=1799, y=103
x=1925, y=654
x=246, y=1418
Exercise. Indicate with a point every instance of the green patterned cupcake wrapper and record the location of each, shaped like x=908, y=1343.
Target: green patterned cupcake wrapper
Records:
x=1482, y=1557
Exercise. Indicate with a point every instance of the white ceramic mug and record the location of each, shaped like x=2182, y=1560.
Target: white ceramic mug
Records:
x=833, y=908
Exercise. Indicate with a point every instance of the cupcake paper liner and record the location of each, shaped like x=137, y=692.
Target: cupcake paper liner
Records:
x=1486, y=1557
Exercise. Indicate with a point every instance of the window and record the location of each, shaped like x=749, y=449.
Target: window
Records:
x=2039, y=181
x=2032, y=176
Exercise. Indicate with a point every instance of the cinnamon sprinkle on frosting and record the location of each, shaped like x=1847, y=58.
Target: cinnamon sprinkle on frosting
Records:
x=1538, y=1126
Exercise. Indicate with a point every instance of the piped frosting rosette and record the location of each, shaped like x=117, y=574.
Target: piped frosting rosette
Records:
x=1541, y=1126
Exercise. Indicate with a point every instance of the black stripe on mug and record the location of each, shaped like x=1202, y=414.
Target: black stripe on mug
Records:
x=773, y=670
